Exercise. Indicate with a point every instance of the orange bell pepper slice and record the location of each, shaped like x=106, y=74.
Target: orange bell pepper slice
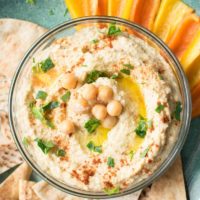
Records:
x=170, y=14
x=144, y=12
x=184, y=34
x=196, y=100
x=103, y=7
x=113, y=7
x=91, y=7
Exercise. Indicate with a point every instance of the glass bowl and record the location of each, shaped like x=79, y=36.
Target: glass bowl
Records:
x=69, y=28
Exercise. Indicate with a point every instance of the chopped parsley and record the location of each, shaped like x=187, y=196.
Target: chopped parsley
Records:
x=177, y=112
x=32, y=2
x=144, y=153
x=25, y=141
x=91, y=125
x=43, y=66
x=129, y=66
x=113, y=30
x=125, y=71
x=94, y=75
x=115, y=76
x=41, y=95
x=110, y=162
x=142, y=127
x=66, y=96
x=60, y=152
x=66, y=11
x=111, y=191
x=95, y=41
x=50, y=106
x=159, y=108
x=91, y=146
x=45, y=145
x=131, y=153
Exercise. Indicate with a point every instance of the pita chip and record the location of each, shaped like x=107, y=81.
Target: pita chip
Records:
x=26, y=192
x=9, y=157
x=170, y=186
x=9, y=189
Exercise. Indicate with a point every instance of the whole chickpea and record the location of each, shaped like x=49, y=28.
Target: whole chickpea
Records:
x=99, y=111
x=114, y=108
x=90, y=92
x=109, y=122
x=80, y=105
x=105, y=94
x=68, y=81
x=67, y=127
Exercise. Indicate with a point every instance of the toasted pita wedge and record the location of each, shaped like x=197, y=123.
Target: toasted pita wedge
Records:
x=26, y=192
x=9, y=189
x=9, y=157
x=169, y=187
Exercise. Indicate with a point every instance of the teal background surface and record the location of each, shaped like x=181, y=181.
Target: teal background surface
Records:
x=49, y=13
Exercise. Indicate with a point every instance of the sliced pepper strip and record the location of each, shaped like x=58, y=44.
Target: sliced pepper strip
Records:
x=103, y=7
x=196, y=100
x=170, y=14
x=125, y=9
x=113, y=7
x=144, y=12
x=184, y=34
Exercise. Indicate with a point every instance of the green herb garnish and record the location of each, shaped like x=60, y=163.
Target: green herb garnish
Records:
x=50, y=106
x=60, y=152
x=25, y=141
x=142, y=127
x=125, y=71
x=110, y=162
x=91, y=146
x=43, y=66
x=66, y=11
x=131, y=153
x=41, y=95
x=159, y=108
x=129, y=66
x=94, y=75
x=113, y=30
x=45, y=145
x=38, y=113
x=91, y=125
x=144, y=153
x=95, y=41
x=111, y=191
x=115, y=76
x=177, y=112
x=66, y=96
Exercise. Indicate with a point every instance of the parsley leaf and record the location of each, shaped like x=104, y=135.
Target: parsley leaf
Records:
x=110, y=162
x=144, y=153
x=66, y=11
x=125, y=71
x=113, y=30
x=41, y=95
x=95, y=41
x=91, y=125
x=50, y=106
x=25, y=141
x=115, y=76
x=177, y=112
x=131, y=153
x=111, y=191
x=141, y=128
x=94, y=148
x=159, y=108
x=32, y=2
x=94, y=75
x=44, y=145
x=60, y=152
x=129, y=66
x=66, y=96
x=37, y=113
x=43, y=66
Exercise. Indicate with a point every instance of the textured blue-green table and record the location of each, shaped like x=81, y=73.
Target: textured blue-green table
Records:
x=49, y=13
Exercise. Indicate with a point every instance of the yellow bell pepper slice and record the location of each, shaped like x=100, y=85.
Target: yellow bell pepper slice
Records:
x=144, y=12
x=113, y=7
x=91, y=7
x=191, y=54
x=125, y=9
x=170, y=14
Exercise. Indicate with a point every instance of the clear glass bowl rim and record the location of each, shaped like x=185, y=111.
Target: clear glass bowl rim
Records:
x=185, y=93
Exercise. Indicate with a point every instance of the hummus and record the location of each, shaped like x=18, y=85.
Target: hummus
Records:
x=100, y=109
